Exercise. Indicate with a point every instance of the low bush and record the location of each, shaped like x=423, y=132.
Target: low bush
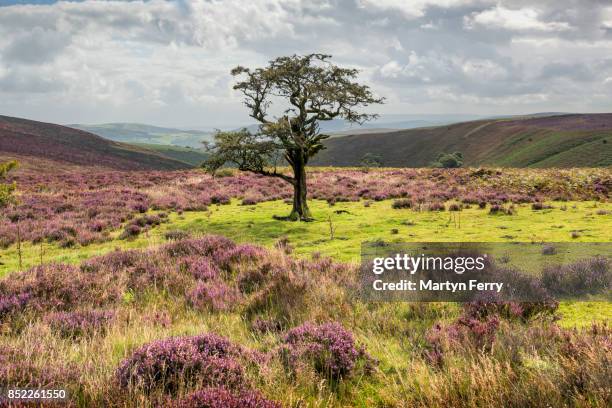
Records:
x=587, y=276
x=77, y=324
x=215, y=296
x=329, y=348
x=401, y=204
x=206, y=360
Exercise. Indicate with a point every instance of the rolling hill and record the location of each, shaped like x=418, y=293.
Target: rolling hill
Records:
x=147, y=134
x=31, y=140
x=193, y=157
x=572, y=140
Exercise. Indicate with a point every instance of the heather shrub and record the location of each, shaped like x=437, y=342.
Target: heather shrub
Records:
x=262, y=326
x=55, y=287
x=130, y=231
x=215, y=296
x=466, y=334
x=481, y=332
x=176, y=235
x=539, y=206
x=498, y=209
x=401, y=204
x=205, y=246
x=22, y=368
x=243, y=253
x=329, y=348
x=281, y=294
x=454, y=207
x=200, y=267
x=490, y=304
x=219, y=397
x=253, y=278
x=436, y=206
x=76, y=324
x=205, y=360
x=220, y=198
x=587, y=276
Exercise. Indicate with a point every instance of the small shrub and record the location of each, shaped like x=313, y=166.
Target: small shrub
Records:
x=496, y=209
x=329, y=347
x=220, y=199
x=540, y=206
x=263, y=326
x=215, y=296
x=130, y=231
x=401, y=204
x=207, y=360
x=200, y=267
x=436, y=206
x=176, y=235
x=454, y=207
x=587, y=276
x=76, y=324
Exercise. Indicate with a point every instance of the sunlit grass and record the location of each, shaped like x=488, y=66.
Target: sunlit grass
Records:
x=352, y=223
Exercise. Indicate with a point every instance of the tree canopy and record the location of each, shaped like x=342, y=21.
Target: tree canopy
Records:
x=288, y=99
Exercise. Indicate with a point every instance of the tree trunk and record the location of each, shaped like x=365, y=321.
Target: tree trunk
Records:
x=300, y=209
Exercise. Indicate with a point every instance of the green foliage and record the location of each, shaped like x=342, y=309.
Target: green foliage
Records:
x=314, y=90
x=6, y=189
x=449, y=160
x=371, y=160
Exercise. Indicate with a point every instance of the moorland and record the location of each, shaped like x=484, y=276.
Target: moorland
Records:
x=133, y=284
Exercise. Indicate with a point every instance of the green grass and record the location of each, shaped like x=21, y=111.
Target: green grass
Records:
x=354, y=223
x=390, y=331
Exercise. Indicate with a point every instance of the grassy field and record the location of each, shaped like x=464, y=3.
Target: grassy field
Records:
x=353, y=223
x=80, y=316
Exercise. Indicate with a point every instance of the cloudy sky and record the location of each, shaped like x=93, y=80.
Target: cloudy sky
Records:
x=168, y=62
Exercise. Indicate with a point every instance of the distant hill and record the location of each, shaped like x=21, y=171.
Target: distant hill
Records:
x=39, y=140
x=140, y=133
x=193, y=157
x=569, y=140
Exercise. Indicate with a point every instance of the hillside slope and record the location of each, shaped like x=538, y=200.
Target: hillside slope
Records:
x=189, y=155
x=574, y=140
x=31, y=139
x=140, y=134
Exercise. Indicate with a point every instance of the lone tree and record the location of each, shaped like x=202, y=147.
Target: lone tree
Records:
x=307, y=90
x=6, y=190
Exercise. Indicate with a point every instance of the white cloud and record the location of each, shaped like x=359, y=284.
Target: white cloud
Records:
x=484, y=70
x=414, y=8
x=523, y=19
x=168, y=62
